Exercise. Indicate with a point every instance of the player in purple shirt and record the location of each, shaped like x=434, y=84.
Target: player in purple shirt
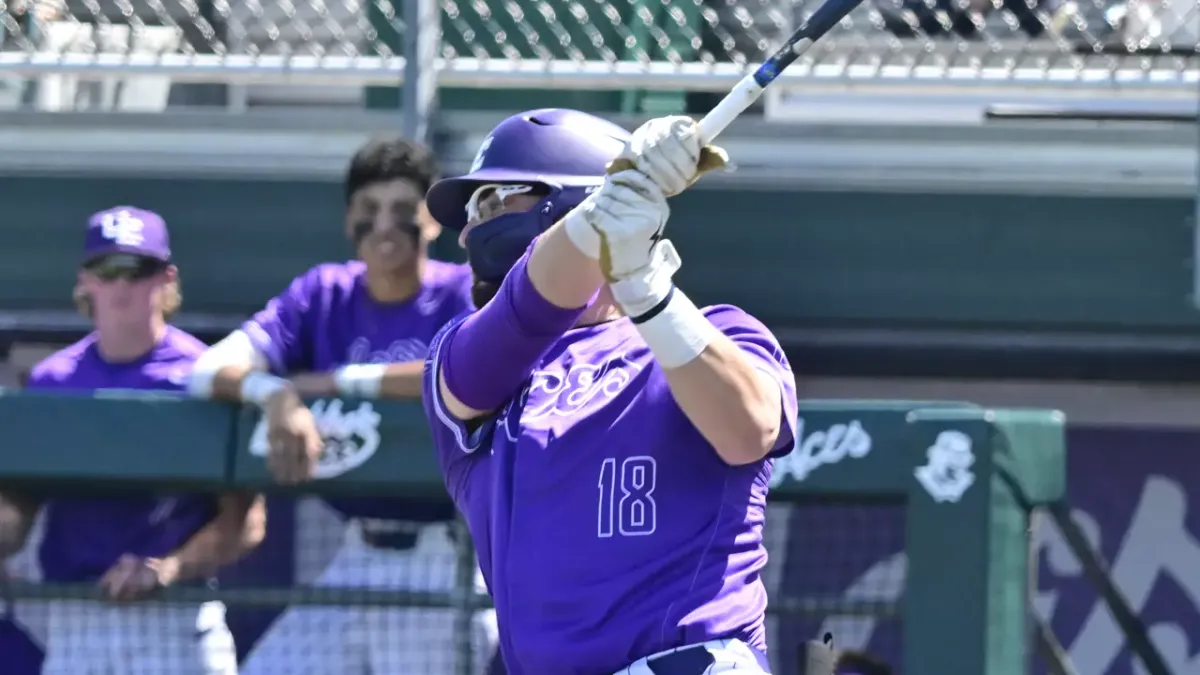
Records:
x=132, y=545
x=359, y=329
x=608, y=442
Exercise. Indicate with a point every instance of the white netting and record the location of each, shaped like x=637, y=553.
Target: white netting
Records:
x=608, y=44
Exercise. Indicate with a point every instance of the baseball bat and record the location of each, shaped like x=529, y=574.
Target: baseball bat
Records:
x=746, y=92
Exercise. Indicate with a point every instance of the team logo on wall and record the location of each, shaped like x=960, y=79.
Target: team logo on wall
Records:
x=947, y=475
x=822, y=447
x=351, y=436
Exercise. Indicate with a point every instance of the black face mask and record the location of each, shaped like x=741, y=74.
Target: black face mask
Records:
x=495, y=246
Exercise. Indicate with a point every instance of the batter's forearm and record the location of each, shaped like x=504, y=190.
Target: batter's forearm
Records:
x=560, y=271
x=240, y=526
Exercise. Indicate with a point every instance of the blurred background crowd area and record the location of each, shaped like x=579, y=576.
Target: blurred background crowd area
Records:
x=37, y=35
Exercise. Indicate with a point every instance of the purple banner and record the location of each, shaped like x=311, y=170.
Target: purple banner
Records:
x=1136, y=495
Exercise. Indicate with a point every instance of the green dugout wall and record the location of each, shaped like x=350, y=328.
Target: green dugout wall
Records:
x=875, y=258
x=957, y=469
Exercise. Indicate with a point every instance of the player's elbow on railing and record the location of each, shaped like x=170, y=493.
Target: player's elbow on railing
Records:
x=219, y=371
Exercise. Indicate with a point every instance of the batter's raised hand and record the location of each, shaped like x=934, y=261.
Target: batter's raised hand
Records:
x=134, y=577
x=620, y=223
x=293, y=437
x=669, y=151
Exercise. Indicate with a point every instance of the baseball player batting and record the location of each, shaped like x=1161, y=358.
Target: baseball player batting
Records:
x=608, y=443
x=360, y=328
x=131, y=546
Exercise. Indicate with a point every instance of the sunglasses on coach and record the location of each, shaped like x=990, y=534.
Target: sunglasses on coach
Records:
x=129, y=267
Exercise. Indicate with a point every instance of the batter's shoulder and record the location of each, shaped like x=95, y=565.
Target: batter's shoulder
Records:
x=734, y=317
x=744, y=329
x=64, y=367
x=439, y=338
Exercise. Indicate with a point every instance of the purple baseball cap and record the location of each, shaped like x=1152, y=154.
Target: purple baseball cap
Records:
x=127, y=229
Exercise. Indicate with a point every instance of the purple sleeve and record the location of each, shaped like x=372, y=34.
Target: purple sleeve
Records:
x=453, y=440
x=764, y=351
x=55, y=372
x=492, y=352
x=39, y=379
x=280, y=330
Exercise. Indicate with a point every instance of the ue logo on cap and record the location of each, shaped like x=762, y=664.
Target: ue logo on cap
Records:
x=483, y=148
x=122, y=228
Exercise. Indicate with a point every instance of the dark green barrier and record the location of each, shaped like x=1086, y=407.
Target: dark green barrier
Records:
x=785, y=275
x=381, y=447
x=954, y=466
x=133, y=437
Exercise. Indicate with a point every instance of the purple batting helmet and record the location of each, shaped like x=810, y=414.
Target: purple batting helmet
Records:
x=563, y=152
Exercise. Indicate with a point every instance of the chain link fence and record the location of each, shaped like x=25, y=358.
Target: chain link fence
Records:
x=323, y=596
x=606, y=44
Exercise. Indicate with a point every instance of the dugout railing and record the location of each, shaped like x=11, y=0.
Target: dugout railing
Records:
x=965, y=478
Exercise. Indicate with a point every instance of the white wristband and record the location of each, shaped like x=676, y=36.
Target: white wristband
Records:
x=258, y=387
x=676, y=331
x=360, y=380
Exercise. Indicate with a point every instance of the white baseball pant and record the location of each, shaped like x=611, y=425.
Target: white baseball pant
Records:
x=727, y=656
x=318, y=640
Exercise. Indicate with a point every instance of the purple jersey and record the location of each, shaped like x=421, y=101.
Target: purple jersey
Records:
x=607, y=528
x=85, y=537
x=326, y=319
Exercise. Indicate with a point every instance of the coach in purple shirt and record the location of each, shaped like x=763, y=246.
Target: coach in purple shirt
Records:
x=133, y=545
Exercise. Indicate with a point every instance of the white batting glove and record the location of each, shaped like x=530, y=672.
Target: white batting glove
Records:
x=669, y=151
x=642, y=290
x=619, y=223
